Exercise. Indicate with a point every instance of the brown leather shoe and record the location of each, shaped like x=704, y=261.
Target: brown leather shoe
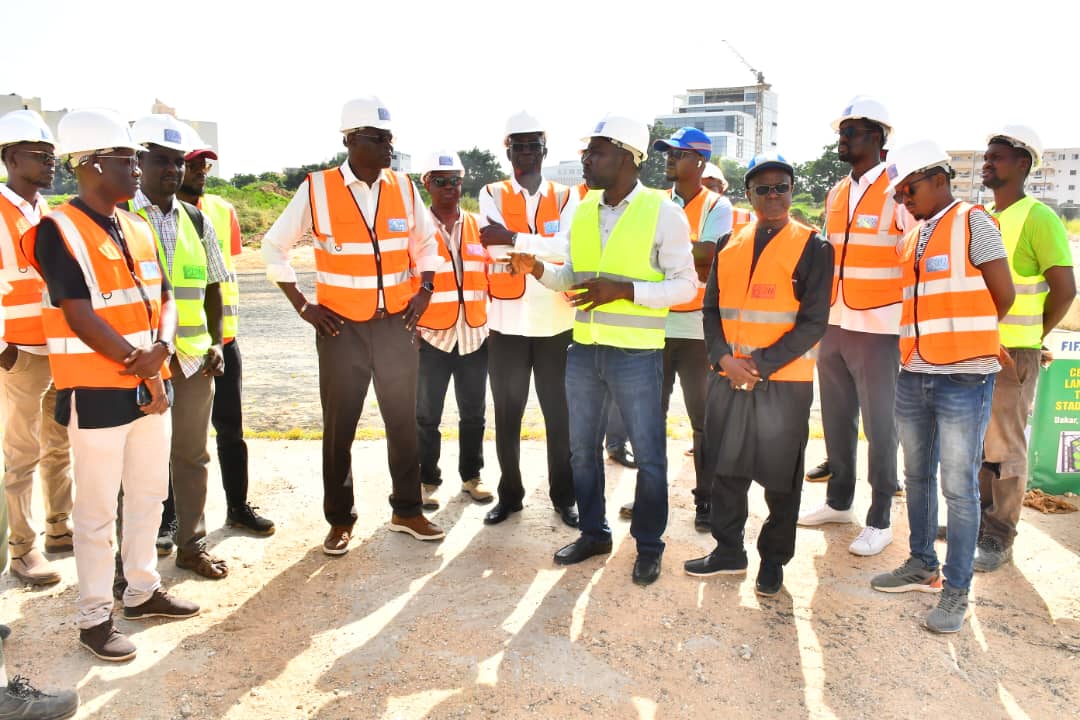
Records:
x=33, y=568
x=202, y=563
x=107, y=642
x=162, y=604
x=59, y=543
x=337, y=540
x=418, y=526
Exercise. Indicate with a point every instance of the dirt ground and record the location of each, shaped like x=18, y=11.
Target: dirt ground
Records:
x=484, y=625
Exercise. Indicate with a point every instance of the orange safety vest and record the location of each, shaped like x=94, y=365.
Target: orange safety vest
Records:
x=697, y=212
x=128, y=301
x=948, y=313
x=756, y=314
x=22, y=306
x=450, y=295
x=740, y=217
x=355, y=258
x=864, y=247
x=501, y=284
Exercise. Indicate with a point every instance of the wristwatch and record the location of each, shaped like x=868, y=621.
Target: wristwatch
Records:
x=169, y=347
x=428, y=286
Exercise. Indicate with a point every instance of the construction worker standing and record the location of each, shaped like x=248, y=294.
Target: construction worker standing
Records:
x=453, y=335
x=371, y=231
x=227, y=415
x=859, y=355
x=530, y=327
x=109, y=323
x=32, y=437
x=1041, y=263
x=956, y=287
x=189, y=250
x=765, y=308
x=630, y=260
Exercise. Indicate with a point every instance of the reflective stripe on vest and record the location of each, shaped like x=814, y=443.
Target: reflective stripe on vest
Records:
x=948, y=314
x=452, y=293
x=1022, y=327
x=511, y=205
x=864, y=246
x=130, y=303
x=697, y=214
x=625, y=256
x=356, y=256
x=758, y=308
x=22, y=306
x=188, y=278
x=220, y=213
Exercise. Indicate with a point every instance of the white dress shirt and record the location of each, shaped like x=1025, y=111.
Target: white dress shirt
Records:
x=882, y=320
x=32, y=213
x=295, y=222
x=539, y=312
x=671, y=255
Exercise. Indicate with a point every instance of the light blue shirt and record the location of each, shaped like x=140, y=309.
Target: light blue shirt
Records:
x=687, y=325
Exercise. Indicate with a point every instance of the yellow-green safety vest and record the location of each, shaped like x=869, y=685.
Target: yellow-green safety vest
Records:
x=219, y=211
x=624, y=257
x=1023, y=326
x=188, y=278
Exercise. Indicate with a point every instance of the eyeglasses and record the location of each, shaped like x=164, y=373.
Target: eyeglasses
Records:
x=444, y=181
x=679, y=154
x=200, y=166
x=780, y=189
x=905, y=191
x=132, y=160
x=851, y=132
x=383, y=138
x=43, y=156
x=527, y=146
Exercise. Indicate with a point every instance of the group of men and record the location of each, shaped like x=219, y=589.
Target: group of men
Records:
x=603, y=293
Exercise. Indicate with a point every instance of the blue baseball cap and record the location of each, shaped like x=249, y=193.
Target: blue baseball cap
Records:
x=687, y=138
x=766, y=161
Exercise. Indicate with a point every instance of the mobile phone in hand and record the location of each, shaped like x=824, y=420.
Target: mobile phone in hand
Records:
x=142, y=395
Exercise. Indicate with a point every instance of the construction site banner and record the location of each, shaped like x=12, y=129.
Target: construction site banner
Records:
x=1054, y=451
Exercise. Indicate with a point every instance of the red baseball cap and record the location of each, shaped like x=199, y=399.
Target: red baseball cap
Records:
x=208, y=152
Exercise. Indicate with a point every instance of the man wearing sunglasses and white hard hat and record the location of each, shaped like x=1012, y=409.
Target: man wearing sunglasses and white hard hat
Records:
x=766, y=306
x=956, y=286
x=372, y=232
x=630, y=260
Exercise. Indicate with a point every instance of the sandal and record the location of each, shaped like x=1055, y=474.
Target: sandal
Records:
x=203, y=563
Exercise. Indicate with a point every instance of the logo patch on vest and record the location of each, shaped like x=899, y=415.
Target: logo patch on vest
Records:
x=866, y=222
x=551, y=227
x=763, y=292
x=109, y=250
x=194, y=272
x=475, y=249
x=938, y=263
x=150, y=270
x=397, y=225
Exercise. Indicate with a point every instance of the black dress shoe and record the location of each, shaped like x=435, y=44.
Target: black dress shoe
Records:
x=702, y=522
x=581, y=549
x=715, y=564
x=646, y=569
x=499, y=513
x=770, y=578
x=568, y=514
x=624, y=457
x=821, y=473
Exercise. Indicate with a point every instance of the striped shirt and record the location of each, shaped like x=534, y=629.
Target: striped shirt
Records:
x=467, y=338
x=166, y=227
x=986, y=245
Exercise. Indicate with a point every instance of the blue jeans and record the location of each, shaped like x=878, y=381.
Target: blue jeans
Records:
x=596, y=376
x=616, y=431
x=941, y=420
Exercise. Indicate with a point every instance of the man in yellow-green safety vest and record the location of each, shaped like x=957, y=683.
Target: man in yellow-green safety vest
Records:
x=189, y=252
x=630, y=261
x=1041, y=264
x=227, y=415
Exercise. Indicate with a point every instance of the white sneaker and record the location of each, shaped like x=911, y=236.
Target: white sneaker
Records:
x=824, y=514
x=427, y=496
x=871, y=541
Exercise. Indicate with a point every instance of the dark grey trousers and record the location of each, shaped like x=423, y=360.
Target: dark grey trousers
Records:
x=193, y=399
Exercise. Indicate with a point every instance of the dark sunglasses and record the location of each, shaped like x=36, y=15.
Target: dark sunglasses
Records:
x=384, y=138
x=679, y=154
x=852, y=132
x=42, y=156
x=527, y=146
x=444, y=181
x=780, y=188
x=907, y=189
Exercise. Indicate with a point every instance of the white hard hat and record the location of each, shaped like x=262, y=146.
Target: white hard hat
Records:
x=522, y=122
x=712, y=171
x=24, y=126
x=442, y=161
x=912, y=158
x=164, y=130
x=863, y=107
x=85, y=131
x=1023, y=137
x=628, y=134
x=367, y=111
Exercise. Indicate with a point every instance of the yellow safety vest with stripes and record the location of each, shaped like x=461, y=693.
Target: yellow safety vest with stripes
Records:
x=219, y=211
x=1023, y=326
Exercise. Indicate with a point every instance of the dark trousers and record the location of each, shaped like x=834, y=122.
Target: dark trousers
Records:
x=690, y=361
x=511, y=361
x=227, y=418
x=615, y=435
x=857, y=372
x=378, y=351
x=470, y=389
x=730, y=509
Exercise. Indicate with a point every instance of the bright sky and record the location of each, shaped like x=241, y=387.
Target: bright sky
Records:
x=274, y=75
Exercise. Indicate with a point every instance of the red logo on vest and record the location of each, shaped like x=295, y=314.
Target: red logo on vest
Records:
x=763, y=292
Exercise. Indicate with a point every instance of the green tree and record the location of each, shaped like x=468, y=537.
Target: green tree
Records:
x=481, y=168
x=243, y=179
x=652, y=170
x=63, y=181
x=818, y=176
x=736, y=178
x=292, y=177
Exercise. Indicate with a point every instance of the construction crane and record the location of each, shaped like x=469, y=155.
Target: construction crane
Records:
x=759, y=106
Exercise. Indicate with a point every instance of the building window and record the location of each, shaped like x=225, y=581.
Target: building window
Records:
x=696, y=100
x=1072, y=172
x=1072, y=187
x=1076, y=156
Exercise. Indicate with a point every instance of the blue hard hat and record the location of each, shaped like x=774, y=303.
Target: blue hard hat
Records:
x=768, y=160
x=687, y=138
